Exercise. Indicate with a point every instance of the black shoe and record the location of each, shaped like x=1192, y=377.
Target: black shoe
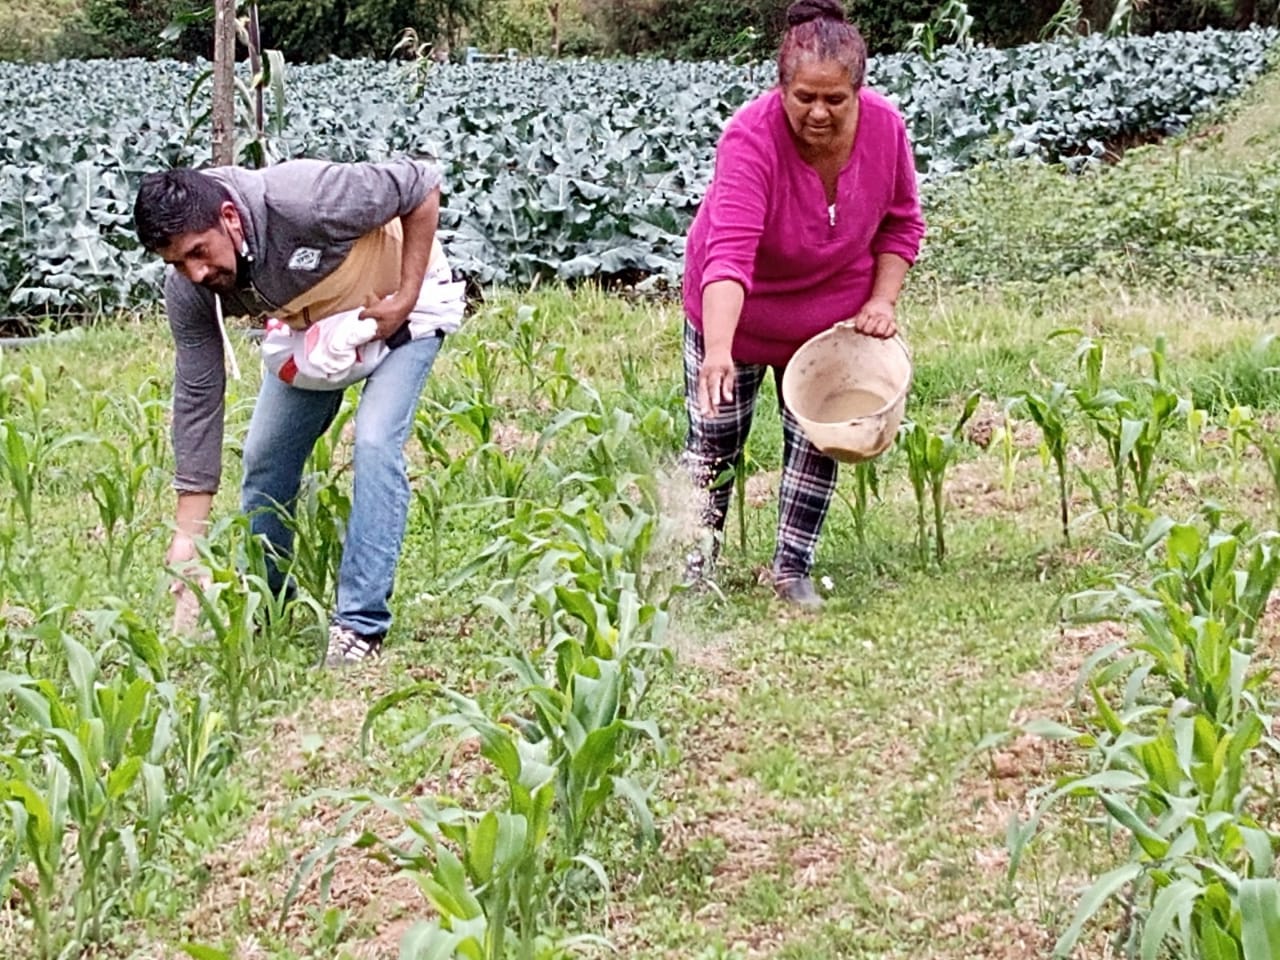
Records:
x=346, y=647
x=798, y=592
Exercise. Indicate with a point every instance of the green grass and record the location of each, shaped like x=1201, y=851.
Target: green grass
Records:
x=837, y=785
x=828, y=793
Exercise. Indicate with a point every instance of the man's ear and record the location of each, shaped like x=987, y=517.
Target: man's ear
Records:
x=231, y=220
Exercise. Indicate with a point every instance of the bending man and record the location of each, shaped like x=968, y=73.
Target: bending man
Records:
x=299, y=241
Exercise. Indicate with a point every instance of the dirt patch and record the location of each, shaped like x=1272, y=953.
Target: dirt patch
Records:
x=1017, y=771
x=710, y=655
x=1055, y=682
x=762, y=489
x=816, y=863
x=510, y=438
x=977, y=488
x=384, y=946
x=994, y=937
x=990, y=418
x=250, y=876
x=1267, y=635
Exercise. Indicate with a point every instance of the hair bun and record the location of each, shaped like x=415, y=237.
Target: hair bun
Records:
x=802, y=11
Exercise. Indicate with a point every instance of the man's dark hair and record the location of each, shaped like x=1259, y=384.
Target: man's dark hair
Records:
x=174, y=202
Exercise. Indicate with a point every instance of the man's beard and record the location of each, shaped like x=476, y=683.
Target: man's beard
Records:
x=221, y=281
x=229, y=281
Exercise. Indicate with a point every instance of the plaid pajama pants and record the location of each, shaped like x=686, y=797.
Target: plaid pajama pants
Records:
x=714, y=444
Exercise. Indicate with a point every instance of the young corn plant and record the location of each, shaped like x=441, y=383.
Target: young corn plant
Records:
x=1226, y=576
x=117, y=490
x=1197, y=423
x=319, y=515
x=25, y=457
x=1132, y=434
x=1176, y=785
x=1051, y=413
x=249, y=655
x=1241, y=427
x=542, y=362
x=613, y=464
x=86, y=794
x=866, y=484
x=1003, y=439
x=1177, y=733
x=591, y=738
x=485, y=873
x=1270, y=450
x=144, y=418
x=1164, y=408
x=1108, y=413
x=928, y=457
x=737, y=475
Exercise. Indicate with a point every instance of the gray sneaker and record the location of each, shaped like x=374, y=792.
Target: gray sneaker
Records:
x=346, y=647
x=798, y=592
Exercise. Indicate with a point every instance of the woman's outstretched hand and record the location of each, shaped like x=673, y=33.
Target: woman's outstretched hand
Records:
x=715, y=383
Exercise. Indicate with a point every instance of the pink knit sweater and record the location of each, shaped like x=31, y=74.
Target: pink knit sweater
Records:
x=765, y=223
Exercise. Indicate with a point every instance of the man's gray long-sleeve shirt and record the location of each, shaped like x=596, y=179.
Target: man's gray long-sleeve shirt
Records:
x=300, y=219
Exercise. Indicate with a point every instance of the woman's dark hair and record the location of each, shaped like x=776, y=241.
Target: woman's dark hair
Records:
x=818, y=32
x=175, y=202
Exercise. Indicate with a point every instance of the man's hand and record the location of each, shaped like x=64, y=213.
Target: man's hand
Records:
x=876, y=319
x=419, y=227
x=390, y=314
x=186, y=602
x=715, y=382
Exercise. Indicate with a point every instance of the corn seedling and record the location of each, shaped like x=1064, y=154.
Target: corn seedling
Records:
x=1241, y=427
x=1197, y=422
x=741, y=470
x=1065, y=23
x=1178, y=725
x=1050, y=412
x=1002, y=438
x=86, y=778
x=527, y=345
x=117, y=490
x=866, y=484
x=1132, y=436
x=249, y=650
x=144, y=417
x=548, y=383
x=928, y=456
x=318, y=516
x=951, y=22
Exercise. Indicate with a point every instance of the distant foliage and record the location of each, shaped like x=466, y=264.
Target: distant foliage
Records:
x=132, y=28
x=576, y=170
x=318, y=29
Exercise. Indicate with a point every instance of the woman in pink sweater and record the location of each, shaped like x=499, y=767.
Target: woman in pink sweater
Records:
x=812, y=217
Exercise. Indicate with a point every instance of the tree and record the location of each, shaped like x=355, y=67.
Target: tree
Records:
x=223, y=115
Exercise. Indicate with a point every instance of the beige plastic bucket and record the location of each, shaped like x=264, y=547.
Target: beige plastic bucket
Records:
x=849, y=391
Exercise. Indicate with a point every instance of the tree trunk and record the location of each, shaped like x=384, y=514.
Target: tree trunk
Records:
x=223, y=116
x=554, y=11
x=1246, y=12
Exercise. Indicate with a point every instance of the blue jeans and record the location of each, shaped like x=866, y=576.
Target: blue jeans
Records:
x=286, y=424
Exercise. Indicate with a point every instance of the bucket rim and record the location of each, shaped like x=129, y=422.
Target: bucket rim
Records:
x=846, y=326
